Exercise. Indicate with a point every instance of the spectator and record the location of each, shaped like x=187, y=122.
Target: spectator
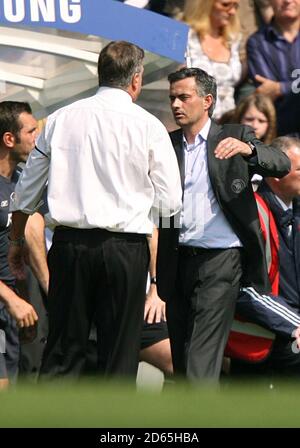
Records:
x=273, y=56
x=258, y=112
x=278, y=201
x=213, y=45
x=253, y=14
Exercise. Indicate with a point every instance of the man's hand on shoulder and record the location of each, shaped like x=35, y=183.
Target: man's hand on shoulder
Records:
x=230, y=147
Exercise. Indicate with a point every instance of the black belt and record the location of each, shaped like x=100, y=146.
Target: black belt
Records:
x=63, y=233
x=193, y=251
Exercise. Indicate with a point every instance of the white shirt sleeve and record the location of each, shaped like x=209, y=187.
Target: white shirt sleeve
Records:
x=164, y=174
x=31, y=184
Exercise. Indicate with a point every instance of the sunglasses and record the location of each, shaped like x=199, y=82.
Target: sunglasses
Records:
x=227, y=6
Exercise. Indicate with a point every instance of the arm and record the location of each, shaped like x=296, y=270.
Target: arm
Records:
x=260, y=71
x=258, y=64
x=269, y=311
x=164, y=174
x=26, y=201
x=155, y=308
x=266, y=160
x=19, y=309
x=17, y=252
x=35, y=240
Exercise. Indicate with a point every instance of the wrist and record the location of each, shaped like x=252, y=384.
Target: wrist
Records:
x=252, y=152
x=153, y=280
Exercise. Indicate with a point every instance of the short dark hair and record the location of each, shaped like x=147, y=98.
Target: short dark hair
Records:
x=118, y=62
x=206, y=84
x=9, y=117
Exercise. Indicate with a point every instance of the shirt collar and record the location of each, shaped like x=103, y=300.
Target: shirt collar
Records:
x=283, y=204
x=205, y=130
x=273, y=33
x=114, y=93
x=201, y=136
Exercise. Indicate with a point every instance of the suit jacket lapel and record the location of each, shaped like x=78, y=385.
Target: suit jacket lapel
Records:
x=178, y=146
x=212, y=141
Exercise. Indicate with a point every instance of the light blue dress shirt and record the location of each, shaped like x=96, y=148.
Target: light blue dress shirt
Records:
x=203, y=223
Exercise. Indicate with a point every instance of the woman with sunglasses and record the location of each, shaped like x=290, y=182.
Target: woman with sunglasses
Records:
x=213, y=45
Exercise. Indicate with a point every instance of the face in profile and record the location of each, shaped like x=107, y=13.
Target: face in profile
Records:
x=25, y=140
x=257, y=120
x=290, y=184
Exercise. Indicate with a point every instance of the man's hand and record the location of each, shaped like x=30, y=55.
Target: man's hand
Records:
x=230, y=146
x=22, y=312
x=16, y=260
x=268, y=87
x=155, y=308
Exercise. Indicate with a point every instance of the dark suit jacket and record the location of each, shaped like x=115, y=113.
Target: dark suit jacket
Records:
x=231, y=182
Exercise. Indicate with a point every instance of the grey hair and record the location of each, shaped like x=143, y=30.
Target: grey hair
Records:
x=285, y=143
x=118, y=62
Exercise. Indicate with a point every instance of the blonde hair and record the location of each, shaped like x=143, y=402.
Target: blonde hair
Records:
x=265, y=105
x=197, y=14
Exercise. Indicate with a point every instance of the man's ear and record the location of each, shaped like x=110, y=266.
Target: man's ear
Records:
x=208, y=100
x=9, y=139
x=135, y=82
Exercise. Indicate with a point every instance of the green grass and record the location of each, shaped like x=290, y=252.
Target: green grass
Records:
x=102, y=405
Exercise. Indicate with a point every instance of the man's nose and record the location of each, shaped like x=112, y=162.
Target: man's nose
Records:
x=176, y=103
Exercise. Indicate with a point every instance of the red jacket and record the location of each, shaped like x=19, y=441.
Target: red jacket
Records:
x=249, y=341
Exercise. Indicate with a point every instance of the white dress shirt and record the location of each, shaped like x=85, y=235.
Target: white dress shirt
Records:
x=203, y=224
x=109, y=163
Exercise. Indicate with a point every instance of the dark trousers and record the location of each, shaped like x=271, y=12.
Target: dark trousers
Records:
x=201, y=312
x=283, y=361
x=95, y=274
x=10, y=358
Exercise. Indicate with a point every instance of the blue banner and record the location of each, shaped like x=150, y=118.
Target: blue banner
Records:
x=106, y=18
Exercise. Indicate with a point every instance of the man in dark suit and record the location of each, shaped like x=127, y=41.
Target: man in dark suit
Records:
x=216, y=243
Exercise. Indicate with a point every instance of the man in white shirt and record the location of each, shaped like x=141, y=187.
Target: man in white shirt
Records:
x=110, y=167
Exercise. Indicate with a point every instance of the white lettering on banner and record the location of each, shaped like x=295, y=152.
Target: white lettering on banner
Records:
x=45, y=8
x=42, y=10
x=69, y=11
x=14, y=10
